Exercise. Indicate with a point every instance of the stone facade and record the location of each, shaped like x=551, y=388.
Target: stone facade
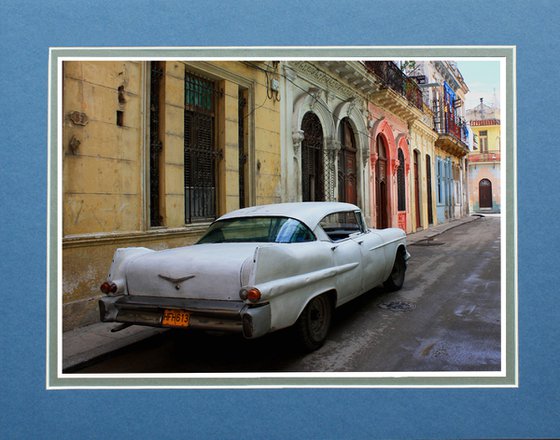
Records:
x=317, y=94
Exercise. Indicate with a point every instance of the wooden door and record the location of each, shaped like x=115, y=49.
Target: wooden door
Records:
x=485, y=193
x=381, y=186
x=347, y=182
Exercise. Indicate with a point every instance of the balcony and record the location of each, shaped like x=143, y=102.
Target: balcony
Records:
x=484, y=157
x=399, y=94
x=452, y=136
x=396, y=80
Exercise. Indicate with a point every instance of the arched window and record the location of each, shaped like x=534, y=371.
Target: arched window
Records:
x=312, y=167
x=347, y=191
x=401, y=190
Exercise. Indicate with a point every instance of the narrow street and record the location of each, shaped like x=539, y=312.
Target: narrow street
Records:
x=446, y=318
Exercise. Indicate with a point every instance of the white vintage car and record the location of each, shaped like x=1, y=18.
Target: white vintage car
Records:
x=257, y=270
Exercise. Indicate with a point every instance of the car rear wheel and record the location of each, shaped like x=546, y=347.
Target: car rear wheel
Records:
x=396, y=279
x=313, y=324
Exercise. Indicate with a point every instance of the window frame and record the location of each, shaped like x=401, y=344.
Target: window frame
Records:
x=337, y=232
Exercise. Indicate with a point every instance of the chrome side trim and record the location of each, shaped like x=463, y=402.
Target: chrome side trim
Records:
x=386, y=243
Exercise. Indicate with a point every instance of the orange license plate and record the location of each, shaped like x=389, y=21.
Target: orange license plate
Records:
x=175, y=318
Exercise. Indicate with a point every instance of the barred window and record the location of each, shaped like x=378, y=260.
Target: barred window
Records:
x=200, y=149
x=156, y=75
x=312, y=168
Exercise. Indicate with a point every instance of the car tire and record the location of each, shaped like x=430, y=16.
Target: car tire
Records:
x=314, y=322
x=396, y=278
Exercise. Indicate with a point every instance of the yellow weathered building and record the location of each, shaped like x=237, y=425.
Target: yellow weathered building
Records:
x=152, y=152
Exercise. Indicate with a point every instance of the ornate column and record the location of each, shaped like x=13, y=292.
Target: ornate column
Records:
x=332, y=149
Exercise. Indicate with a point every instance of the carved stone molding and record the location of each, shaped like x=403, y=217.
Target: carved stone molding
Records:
x=326, y=80
x=351, y=106
x=297, y=139
x=316, y=95
x=333, y=145
x=78, y=118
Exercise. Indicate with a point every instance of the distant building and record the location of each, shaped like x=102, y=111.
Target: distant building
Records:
x=444, y=91
x=484, y=160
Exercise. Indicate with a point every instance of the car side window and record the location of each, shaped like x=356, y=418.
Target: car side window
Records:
x=340, y=225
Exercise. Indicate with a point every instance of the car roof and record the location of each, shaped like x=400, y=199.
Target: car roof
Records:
x=309, y=213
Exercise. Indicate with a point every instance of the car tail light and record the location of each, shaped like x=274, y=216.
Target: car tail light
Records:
x=252, y=294
x=108, y=287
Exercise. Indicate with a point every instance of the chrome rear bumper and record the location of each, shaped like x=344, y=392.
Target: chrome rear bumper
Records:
x=228, y=316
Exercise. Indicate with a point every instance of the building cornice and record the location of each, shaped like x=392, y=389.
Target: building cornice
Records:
x=348, y=78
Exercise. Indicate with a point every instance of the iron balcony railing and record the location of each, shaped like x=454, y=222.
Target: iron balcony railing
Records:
x=395, y=79
x=448, y=123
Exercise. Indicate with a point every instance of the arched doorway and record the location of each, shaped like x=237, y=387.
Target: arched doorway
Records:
x=485, y=194
x=347, y=189
x=381, y=184
x=312, y=167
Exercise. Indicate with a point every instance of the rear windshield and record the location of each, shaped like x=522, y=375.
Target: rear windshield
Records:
x=258, y=229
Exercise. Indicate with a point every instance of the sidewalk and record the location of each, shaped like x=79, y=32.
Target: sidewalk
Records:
x=82, y=345
x=434, y=231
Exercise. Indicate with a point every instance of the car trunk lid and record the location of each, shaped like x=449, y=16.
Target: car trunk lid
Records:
x=209, y=271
